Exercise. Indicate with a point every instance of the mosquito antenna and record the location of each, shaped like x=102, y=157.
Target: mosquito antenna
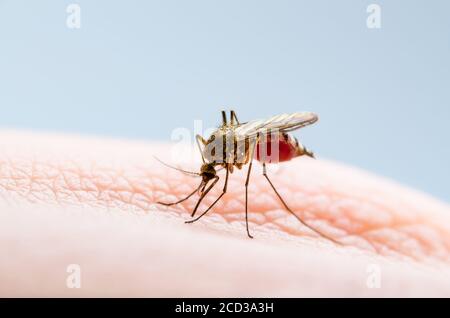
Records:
x=181, y=170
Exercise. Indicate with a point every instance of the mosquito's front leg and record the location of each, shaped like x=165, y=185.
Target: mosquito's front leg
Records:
x=292, y=212
x=181, y=200
x=216, y=178
x=217, y=200
x=199, y=140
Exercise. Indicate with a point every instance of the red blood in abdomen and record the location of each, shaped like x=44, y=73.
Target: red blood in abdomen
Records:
x=286, y=150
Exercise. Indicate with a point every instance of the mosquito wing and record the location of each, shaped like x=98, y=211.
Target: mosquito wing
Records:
x=282, y=123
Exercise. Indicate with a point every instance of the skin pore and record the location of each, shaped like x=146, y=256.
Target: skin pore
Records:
x=91, y=202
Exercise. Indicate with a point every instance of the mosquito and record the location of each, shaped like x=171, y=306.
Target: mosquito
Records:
x=234, y=144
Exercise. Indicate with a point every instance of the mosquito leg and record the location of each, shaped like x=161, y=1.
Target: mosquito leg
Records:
x=203, y=188
x=233, y=118
x=252, y=150
x=199, y=140
x=181, y=200
x=290, y=211
x=217, y=200
x=224, y=118
x=216, y=178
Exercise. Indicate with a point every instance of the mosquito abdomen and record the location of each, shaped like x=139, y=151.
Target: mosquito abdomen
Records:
x=278, y=149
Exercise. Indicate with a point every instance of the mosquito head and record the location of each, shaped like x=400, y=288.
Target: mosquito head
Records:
x=208, y=172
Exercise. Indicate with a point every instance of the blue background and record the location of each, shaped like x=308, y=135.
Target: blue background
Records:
x=139, y=69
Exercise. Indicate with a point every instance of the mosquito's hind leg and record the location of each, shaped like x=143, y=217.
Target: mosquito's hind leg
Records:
x=216, y=178
x=233, y=117
x=251, y=154
x=217, y=200
x=290, y=211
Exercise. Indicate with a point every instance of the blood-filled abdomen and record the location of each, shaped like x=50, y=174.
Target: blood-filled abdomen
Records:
x=280, y=149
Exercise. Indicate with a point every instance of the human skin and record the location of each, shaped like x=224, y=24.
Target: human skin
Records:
x=91, y=202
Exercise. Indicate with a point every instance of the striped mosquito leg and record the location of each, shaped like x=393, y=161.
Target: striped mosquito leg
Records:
x=217, y=200
x=292, y=212
x=251, y=154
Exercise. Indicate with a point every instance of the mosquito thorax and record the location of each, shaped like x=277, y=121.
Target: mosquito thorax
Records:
x=222, y=147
